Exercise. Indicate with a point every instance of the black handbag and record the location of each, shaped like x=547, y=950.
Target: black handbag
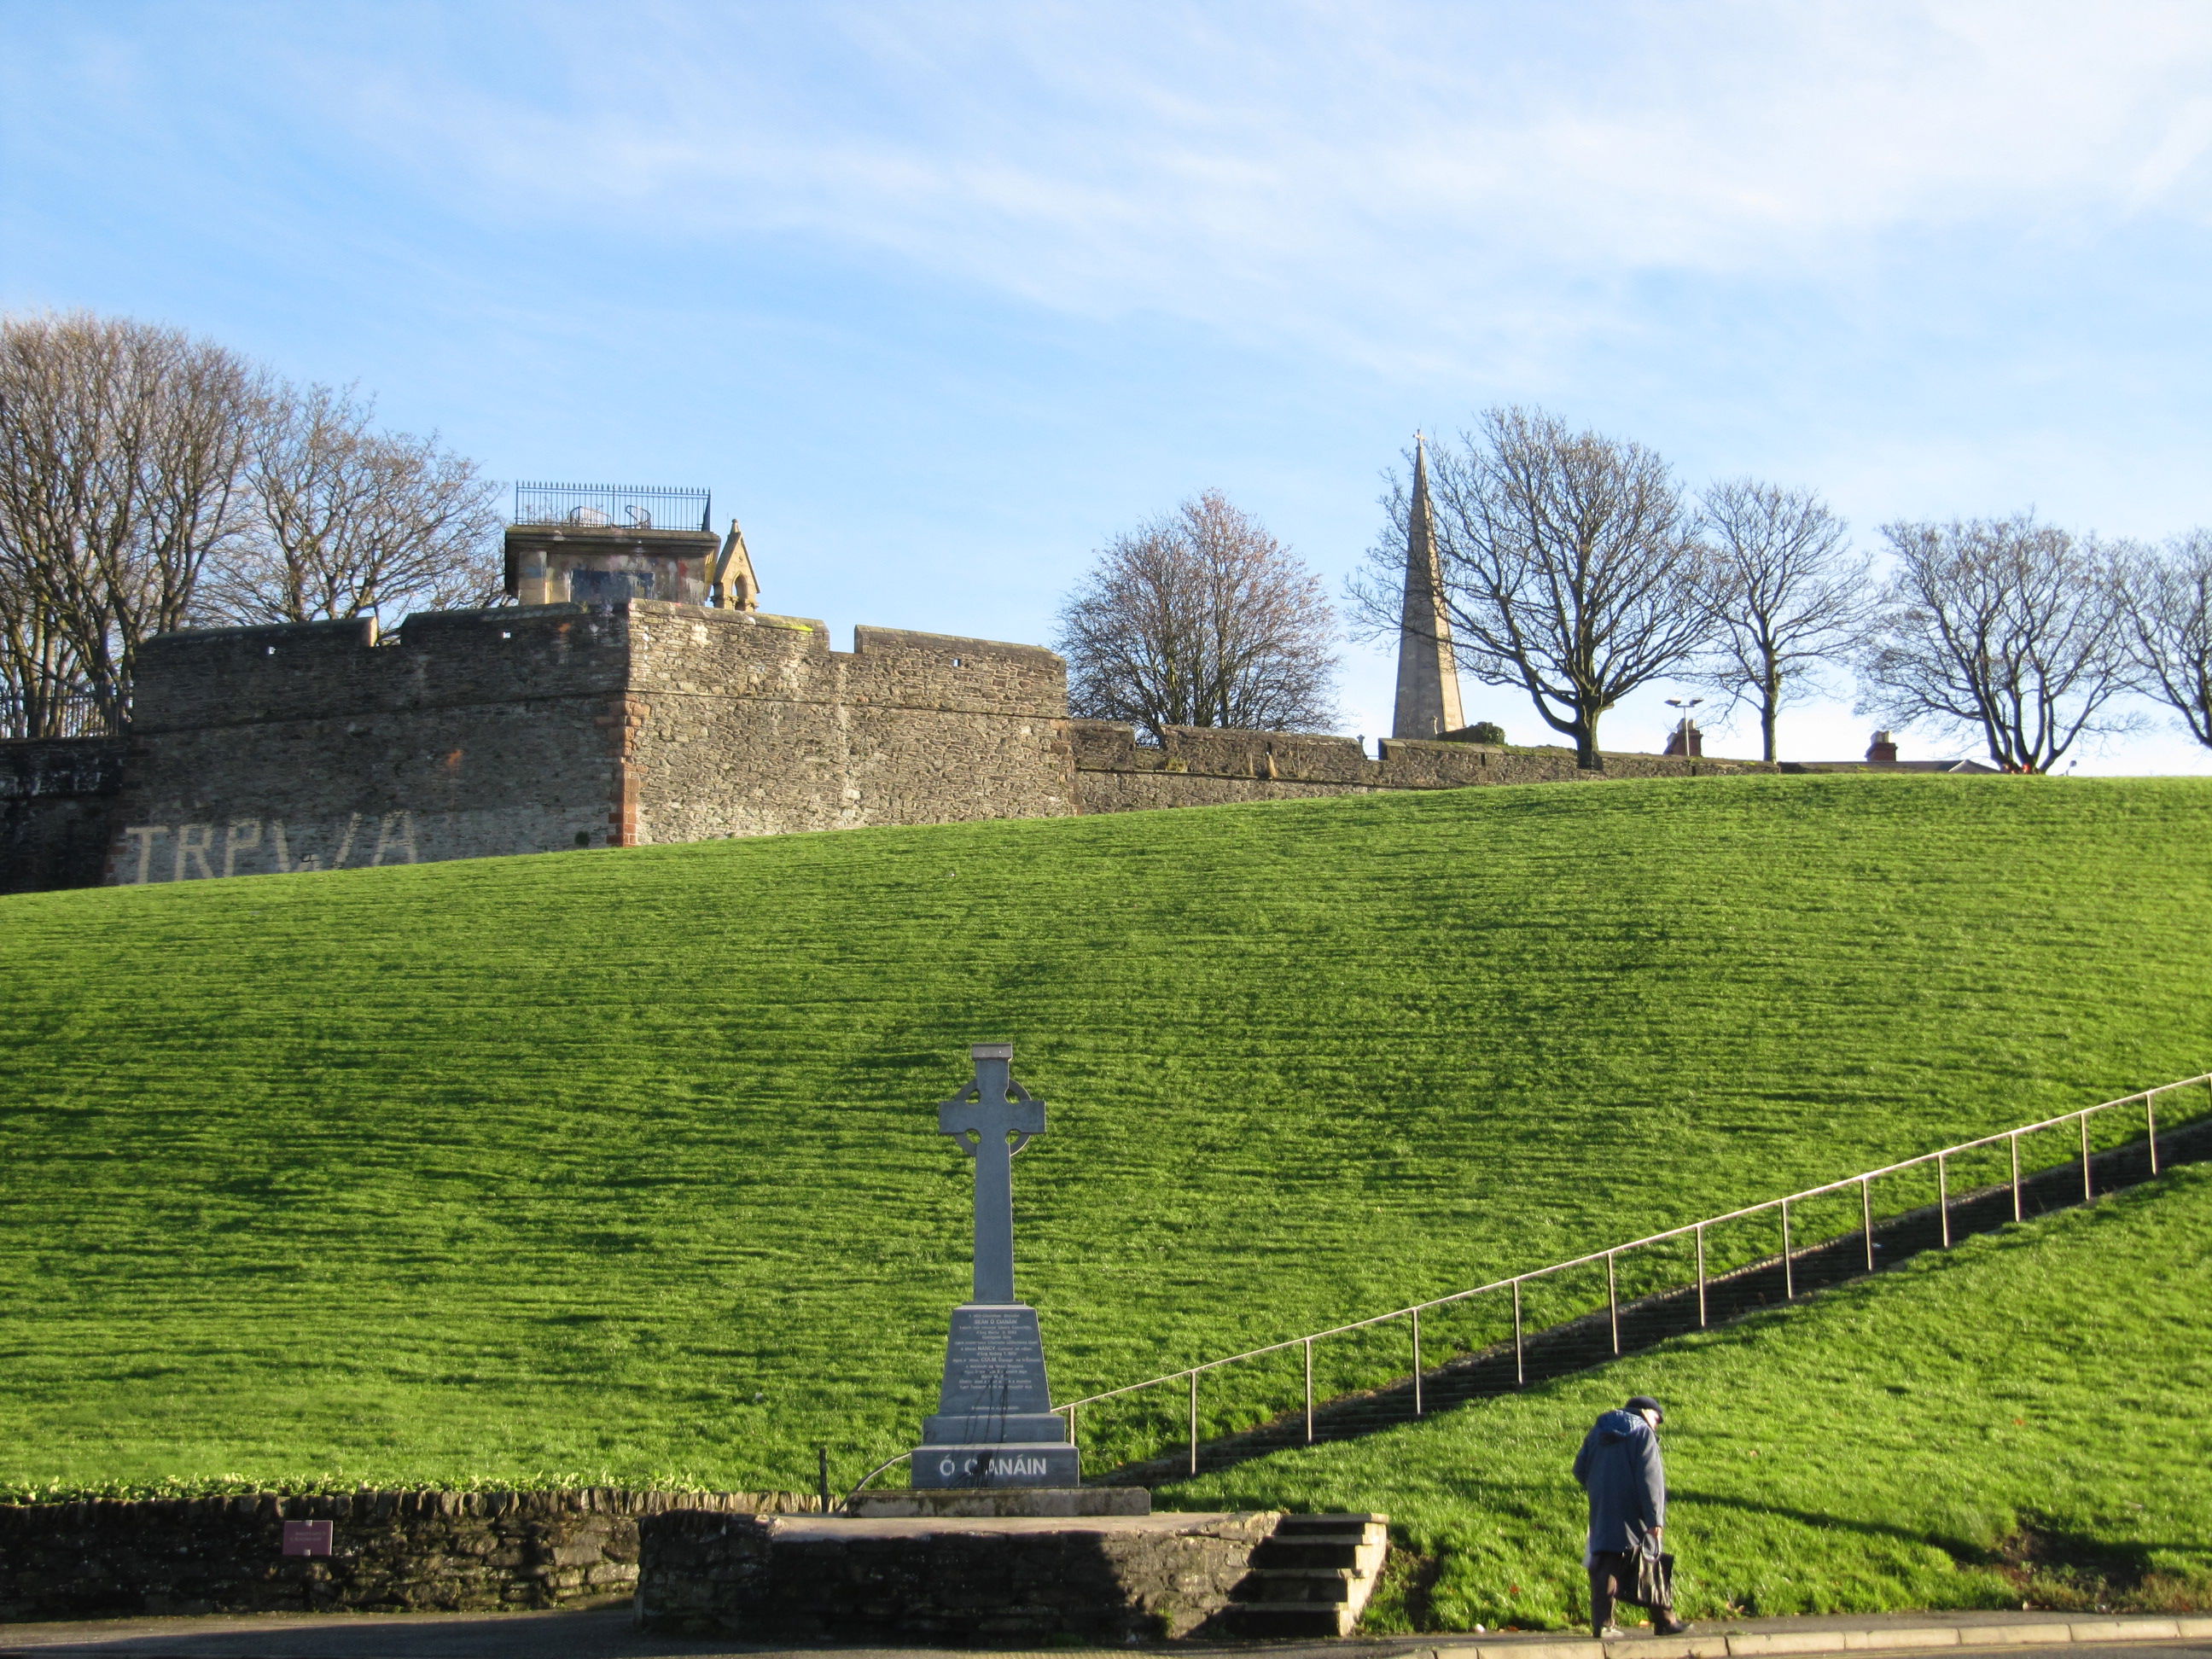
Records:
x=1655, y=1582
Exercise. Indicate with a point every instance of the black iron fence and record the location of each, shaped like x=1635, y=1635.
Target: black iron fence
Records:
x=73, y=715
x=625, y=507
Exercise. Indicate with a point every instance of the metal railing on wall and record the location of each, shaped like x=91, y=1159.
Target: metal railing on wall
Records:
x=626, y=506
x=72, y=715
x=1794, y=1246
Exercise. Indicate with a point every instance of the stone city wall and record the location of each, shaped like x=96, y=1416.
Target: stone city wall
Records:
x=389, y=1551
x=468, y=734
x=1113, y=1579
x=532, y=729
x=749, y=724
x=322, y=745
x=1202, y=766
x=57, y=798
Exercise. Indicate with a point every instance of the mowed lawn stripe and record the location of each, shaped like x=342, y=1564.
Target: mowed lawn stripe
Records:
x=623, y=1164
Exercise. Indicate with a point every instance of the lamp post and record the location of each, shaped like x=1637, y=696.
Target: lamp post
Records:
x=1685, y=704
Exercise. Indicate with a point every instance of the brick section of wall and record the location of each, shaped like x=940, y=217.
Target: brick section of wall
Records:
x=1112, y=1579
x=1202, y=766
x=57, y=799
x=392, y=1551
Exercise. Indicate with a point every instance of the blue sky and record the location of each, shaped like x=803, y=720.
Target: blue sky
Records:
x=937, y=298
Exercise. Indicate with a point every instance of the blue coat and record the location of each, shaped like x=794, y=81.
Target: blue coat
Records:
x=1619, y=1466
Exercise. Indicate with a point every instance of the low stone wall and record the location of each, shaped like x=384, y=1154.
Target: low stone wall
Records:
x=58, y=802
x=390, y=1551
x=1106, y=1578
x=1201, y=766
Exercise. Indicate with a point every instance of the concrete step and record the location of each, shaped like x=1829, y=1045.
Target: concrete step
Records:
x=1294, y=1526
x=1278, y=1585
x=1309, y=1554
x=1289, y=1620
x=1311, y=1578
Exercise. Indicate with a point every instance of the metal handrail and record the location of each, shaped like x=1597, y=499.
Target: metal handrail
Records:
x=902, y=1457
x=1608, y=1255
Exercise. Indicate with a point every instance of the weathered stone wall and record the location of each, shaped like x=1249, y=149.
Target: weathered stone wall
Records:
x=749, y=724
x=1201, y=766
x=1109, y=1578
x=392, y=1551
x=57, y=798
x=463, y=734
x=467, y=734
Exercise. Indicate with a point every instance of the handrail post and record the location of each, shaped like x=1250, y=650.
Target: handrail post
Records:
x=1613, y=1300
x=2150, y=1125
x=2014, y=1139
x=1308, y=1346
x=1789, y=1277
x=1071, y=1440
x=1943, y=1198
x=1194, y=1423
x=1701, y=1275
x=1866, y=1216
x=2087, y=1192
x=1417, y=1362
x=1520, y=1371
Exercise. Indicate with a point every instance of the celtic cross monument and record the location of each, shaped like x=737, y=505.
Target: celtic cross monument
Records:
x=994, y=1425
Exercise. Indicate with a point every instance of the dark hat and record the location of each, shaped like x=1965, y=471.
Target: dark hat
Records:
x=1645, y=1403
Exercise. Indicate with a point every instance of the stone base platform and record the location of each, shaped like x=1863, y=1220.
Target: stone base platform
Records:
x=1012, y=1501
x=1112, y=1578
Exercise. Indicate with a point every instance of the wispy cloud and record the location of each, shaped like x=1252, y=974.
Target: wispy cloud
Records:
x=1321, y=173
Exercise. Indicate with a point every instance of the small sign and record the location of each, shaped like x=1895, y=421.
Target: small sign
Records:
x=307, y=1537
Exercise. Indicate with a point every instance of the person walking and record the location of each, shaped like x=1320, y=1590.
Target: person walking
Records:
x=1619, y=1468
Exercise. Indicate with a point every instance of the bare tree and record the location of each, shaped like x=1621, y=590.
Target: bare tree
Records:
x=1782, y=592
x=2005, y=626
x=2168, y=614
x=1570, y=566
x=1200, y=618
x=120, y=451
x=346, y=520
x=40, y=693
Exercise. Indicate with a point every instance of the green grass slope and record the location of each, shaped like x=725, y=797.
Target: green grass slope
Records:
x=623, y=1164
x=2026, y=1419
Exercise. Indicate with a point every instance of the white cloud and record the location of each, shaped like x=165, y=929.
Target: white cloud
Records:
x=1320, y=171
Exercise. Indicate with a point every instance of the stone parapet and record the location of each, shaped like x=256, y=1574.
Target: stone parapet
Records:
x=1204, y=766
x=395, y=1551
x=58, y=801
x=1119, y=1579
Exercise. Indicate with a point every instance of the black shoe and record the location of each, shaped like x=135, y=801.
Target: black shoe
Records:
x=1665, y=1624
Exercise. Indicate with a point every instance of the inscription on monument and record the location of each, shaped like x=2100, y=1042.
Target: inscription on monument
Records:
x=996, y=1361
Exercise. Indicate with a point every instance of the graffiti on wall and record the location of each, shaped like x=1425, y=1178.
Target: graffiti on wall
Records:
x=247, y=847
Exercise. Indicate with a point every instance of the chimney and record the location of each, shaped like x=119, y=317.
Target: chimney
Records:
x=1687, y=740
x=1882, y=751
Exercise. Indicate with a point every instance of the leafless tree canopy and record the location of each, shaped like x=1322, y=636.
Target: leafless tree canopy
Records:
x=2168, y=612
x=1200, y=618
x=345, y=520
x=1782, y=594
x=149, y=480
x=1570, y=566
x=120, y=457
x=2004, y=627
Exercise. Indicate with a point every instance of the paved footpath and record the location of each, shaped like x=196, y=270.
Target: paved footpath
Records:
x=610, y=1635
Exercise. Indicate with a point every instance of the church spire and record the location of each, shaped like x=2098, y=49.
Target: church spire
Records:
x=1428, y=679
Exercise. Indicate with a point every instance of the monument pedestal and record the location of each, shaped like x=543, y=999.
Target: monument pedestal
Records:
x=994, y=1425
